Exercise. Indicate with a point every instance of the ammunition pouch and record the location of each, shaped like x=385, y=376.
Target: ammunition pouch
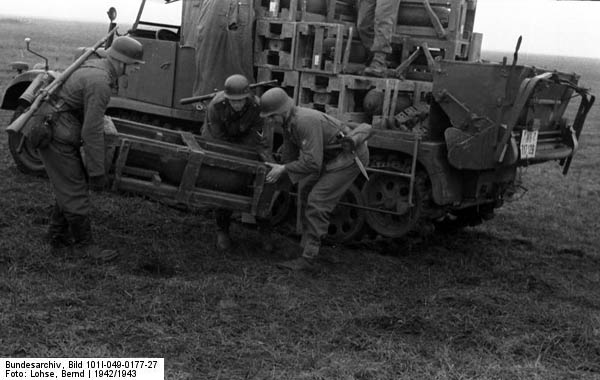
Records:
x=40, y=135
x=39, y=129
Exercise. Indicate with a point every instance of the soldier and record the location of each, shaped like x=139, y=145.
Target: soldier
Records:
x=376, y=21
x=233, y=116
x=79, y=124
x=311, y=155
x=221, y=32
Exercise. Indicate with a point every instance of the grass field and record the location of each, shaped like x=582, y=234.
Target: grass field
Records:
x=515, y=298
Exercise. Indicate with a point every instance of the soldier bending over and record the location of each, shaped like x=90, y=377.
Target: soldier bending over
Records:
x=233, y=116
x=312, y=156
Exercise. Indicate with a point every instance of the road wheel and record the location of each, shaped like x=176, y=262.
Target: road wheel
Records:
x=346, y=223
x=390, y=193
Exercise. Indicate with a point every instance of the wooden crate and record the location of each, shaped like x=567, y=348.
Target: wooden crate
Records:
x=277, y=9
x=320, y=47
x=455, y=18
x=274, y=44
x=444, y=49
x=397, y=95
x=341, y=11
x=452, y=34
x=338, y=11
x=319, y=91
x=342, y=96
x=288, y=80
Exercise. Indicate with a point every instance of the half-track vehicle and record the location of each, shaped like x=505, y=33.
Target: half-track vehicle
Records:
x=451, y=130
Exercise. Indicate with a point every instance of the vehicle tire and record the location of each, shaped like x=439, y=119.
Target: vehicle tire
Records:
x=390, y=194
x=346, y=223
x=28, y=160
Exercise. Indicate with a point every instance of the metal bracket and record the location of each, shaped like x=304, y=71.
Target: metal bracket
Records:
x=120, y=164
x=189, y=177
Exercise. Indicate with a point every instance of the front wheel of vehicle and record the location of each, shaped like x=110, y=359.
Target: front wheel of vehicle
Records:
x=27, y=159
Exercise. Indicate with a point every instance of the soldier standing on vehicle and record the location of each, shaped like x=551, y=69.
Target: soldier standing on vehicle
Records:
x=312, y=157
x=233, y=115
x=223, y=41
x=376, y=21
x=79, y=124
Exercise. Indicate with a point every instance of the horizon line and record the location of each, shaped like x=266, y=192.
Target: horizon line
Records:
x=22, y=18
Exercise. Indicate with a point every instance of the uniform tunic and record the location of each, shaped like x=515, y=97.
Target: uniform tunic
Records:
x=86, y=94
x=244, y=127
x=327, y=173
x=376, y=21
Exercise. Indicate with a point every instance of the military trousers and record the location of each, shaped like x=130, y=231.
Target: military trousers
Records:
x=324, y=192
x=70, y=214
x=376, y=22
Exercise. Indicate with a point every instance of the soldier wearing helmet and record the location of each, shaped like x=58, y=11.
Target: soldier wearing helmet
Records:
x=313, y=159
x=78, y=127
x=126, y=50
x=233, y=115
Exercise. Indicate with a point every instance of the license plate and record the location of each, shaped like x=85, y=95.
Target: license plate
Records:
x=528, y=144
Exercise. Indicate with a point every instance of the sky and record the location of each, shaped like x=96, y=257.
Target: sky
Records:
x=568, y=28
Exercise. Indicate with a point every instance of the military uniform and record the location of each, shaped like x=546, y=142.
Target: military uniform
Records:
x=313, y=159
x=245, y=127
x=376, y=21
x=83, y=99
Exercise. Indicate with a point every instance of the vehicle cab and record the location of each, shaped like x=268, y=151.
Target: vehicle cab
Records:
x=168, y=74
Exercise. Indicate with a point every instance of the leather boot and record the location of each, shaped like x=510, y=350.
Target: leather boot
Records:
x=223, y=220
x=378, y=66
x=299, y=264
x=223, y=241
x=81, y=228
x=264, y=230
x=58, y=235
x=306, y=262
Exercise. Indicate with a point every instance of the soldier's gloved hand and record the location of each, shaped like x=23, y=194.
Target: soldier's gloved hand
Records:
x=98, y=183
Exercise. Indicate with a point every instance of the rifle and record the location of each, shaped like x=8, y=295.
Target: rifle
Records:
x=44, y=94
x=200, y=98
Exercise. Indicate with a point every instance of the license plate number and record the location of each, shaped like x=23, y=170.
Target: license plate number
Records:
x=528, y=144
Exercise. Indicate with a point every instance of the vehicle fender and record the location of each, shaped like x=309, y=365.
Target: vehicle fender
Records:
x=446, y=187
x=17, y=86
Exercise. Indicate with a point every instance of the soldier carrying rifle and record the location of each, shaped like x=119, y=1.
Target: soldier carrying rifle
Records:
x=74, y=120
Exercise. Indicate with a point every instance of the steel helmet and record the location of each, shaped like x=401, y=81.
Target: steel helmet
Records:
x=274, y=101
x=237, y=87
x=126, y=50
